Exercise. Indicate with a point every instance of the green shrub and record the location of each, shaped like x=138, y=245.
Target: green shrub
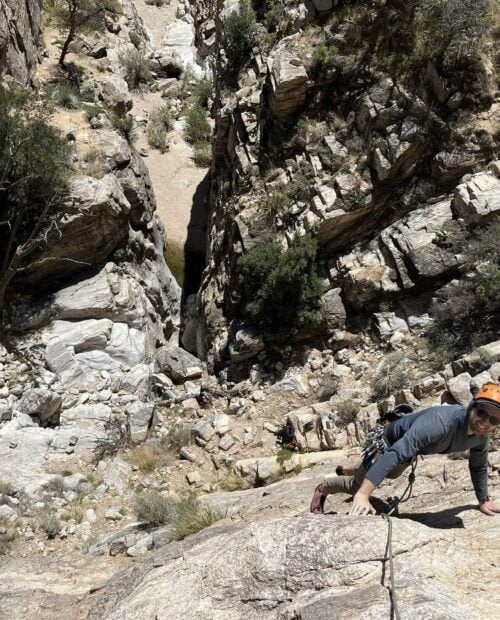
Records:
x=202, y=156
x=50, y=524
x=175, y=259
x=156, y=135
x=137, y=70
x=277, y=201
x=178, y=436
x=149, y=457
x=157, y=2
x=75, y=512
x=203, y=91
x=93, y=163
x=281, y=290
x=191, y=516
x=186, y=516
x=93, y=110
x=55, y=487
x=324, y=55
x=284, y=454
x=8, y=536
x=197, y=126
x=135, y=39
x=240, y=36
x=6, y=488
x=275, y=15
x=391, y=375
x=125, y=124
x=232, y=481
x=473, y=300
x=160, y=123
x=154, y=508
x=66, y=96
x=488, y=284
x=347, y=411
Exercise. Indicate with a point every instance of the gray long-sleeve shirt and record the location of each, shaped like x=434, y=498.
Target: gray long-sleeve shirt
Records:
x=437, y=430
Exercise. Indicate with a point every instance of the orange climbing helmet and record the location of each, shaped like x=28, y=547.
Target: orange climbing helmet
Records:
x=489, y=394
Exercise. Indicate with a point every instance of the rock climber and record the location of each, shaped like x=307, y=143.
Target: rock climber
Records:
x=389, y=450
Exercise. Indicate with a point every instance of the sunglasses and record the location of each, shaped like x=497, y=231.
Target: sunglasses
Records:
x=486, y=417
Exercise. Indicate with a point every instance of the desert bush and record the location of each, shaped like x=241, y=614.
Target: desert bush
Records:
x=473, y=300
x=347, y=410
x=232, y=481
x=55, y=487
x=284, y=454
x=197, y=126
x=191, y=516
x=75, y=513
x=160, y=123
x=178, y=436
x=452, y=26
x=240, y=36
x=391, y=375
x=175, y=259
x=202, y=156
x=156, y=135
x=135, y=39
x=8, y=536
x=203, y=91
x=281, y=290
x=275, y=15
x=324, y=55
x=66, y=96
x=92, y=163
x=50, y=524
x=157, y=2
x=277, y=201
x=77, y=17
x=137, y=70
x=6, y=488
x=125, y=124
x=148, y=457
x=154, y=508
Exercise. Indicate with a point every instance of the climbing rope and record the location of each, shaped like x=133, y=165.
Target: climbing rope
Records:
x=387, y=516
x=407, y=492
x=391, y=567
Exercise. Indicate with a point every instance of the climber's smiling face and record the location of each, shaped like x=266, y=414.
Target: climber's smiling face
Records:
x=483, y=419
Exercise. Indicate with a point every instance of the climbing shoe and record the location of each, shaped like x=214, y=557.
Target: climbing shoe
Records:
x=317, y=506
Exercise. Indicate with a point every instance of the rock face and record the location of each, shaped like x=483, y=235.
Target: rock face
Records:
x=310, y=571
x=20, y=34
x=288, y=79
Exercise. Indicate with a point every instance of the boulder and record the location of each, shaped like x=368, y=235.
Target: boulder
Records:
x=20, y=37
x=247, y=343
x=333, y=308
x=94, y=223
x=178, y=364
x=41, y=404
x=140, y=417
x=288, y=81
x=478, y=199
x=387, y=324
x=459, y=388
x=178, y=41
x=401, y=256
x=115, y=93
x=115, y=149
